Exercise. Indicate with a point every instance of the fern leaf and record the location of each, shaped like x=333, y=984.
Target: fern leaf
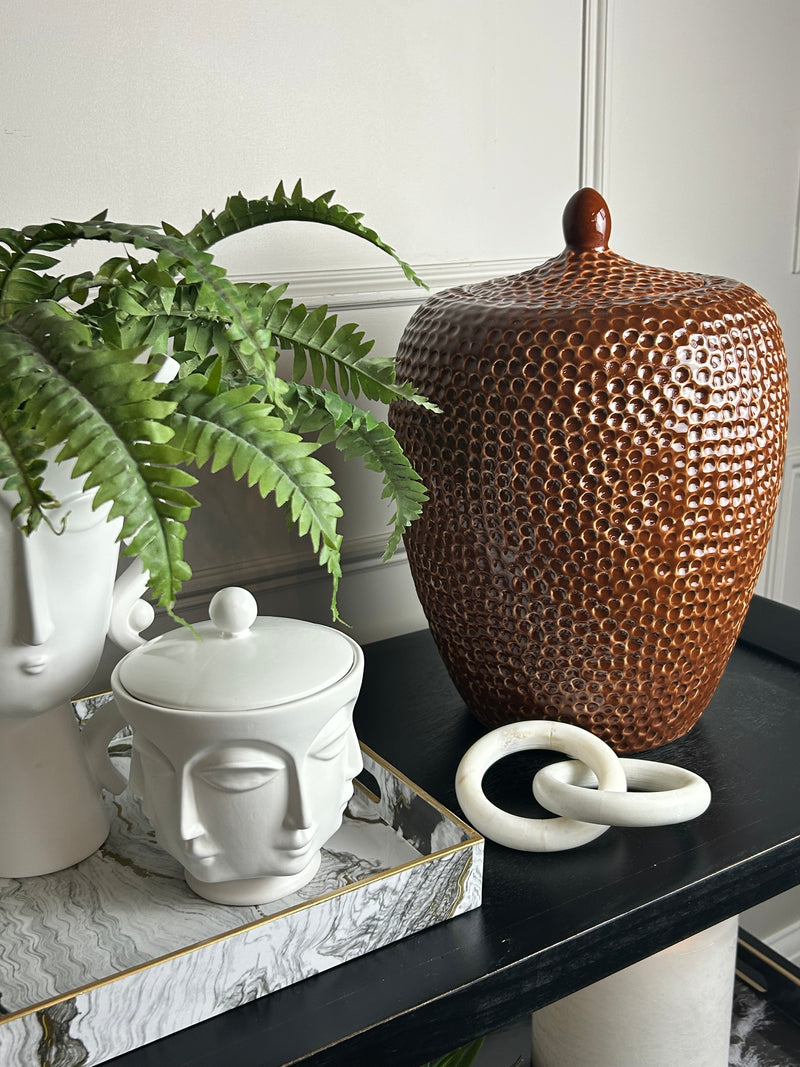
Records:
x=106, y=414
x=333, y=350
x=357, y=434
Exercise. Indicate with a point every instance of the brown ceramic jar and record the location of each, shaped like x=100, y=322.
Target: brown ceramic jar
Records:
x=603, y=480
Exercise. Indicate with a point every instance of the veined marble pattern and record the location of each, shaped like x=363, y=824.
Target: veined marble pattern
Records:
x=87, y=937
x=761, y=1036
x=419, y=821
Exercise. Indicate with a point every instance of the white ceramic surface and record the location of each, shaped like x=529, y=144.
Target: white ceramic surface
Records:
x=533, y=835
x=246, y=767
x=59, y=598
x=672, y=1009
x=669, y=794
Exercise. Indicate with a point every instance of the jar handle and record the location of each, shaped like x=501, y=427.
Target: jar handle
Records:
x=96, y=734
x=129, y=613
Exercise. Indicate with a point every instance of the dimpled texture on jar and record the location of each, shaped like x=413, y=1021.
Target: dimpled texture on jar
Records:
x=603, y=479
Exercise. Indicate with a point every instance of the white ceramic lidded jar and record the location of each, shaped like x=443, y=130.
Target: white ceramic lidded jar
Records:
x=244, y=750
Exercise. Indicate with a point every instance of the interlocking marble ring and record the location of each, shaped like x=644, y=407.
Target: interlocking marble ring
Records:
x=533, y=835
x=672, y=795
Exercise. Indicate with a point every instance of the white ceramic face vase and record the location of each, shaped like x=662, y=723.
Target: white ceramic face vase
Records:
x=244, y=746
x=59, y=601
x=56, y=608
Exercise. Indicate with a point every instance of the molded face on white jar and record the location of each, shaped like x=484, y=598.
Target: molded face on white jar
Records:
x=55, y=608
x=228, y=808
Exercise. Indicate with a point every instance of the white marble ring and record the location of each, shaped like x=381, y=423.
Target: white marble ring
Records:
x=533, y=835
x=672, y=794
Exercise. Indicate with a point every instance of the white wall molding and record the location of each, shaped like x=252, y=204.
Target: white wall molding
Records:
x=277, y=571
x=796, y=255
x=595, y=67
x=367, y=287
x=781, y=573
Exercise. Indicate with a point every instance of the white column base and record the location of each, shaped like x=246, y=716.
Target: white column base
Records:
x=671, y=1008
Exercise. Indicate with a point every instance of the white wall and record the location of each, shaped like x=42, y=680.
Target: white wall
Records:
x=460, y=128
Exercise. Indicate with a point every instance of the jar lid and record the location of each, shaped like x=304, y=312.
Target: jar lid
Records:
x=588, y=280
x=238, y=661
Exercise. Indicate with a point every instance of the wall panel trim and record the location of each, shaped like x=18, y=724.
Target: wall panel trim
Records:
x=267, y=576
x=357, y=288
x=780, y=573
x=595, y=68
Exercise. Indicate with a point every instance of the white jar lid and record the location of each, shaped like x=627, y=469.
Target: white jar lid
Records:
x=238, y=661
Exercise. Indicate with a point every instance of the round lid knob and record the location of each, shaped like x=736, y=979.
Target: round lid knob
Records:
x=237, y=661
x=233, y=611
x=586, y=221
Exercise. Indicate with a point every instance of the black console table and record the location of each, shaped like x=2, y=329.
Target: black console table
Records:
x=551, y=923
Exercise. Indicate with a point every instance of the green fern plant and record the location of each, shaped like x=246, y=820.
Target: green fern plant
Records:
x=461, y=1057
x=80, y=363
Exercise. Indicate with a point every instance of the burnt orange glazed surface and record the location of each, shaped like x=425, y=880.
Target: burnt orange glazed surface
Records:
x=603, y=480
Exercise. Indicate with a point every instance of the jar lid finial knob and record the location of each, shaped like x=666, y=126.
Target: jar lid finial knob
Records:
x=587, y=221
x=233, y=611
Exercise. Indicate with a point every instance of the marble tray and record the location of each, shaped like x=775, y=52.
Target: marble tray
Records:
x=93, y=959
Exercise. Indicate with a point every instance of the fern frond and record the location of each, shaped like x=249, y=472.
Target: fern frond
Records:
x=227, y=430
x=241, y=214
x=338, y=354
x=107, y=415
x=357, y=434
